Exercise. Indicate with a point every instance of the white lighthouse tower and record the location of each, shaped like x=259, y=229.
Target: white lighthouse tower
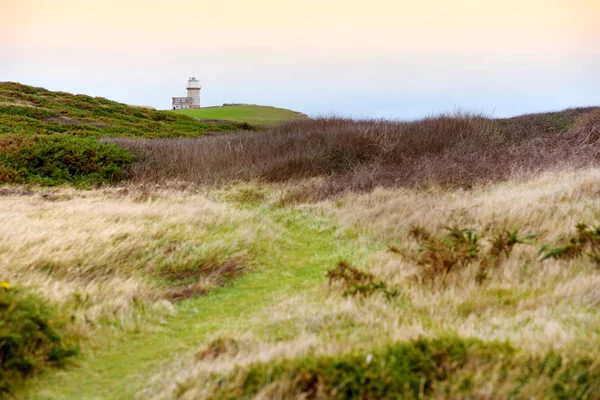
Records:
x=193, y=91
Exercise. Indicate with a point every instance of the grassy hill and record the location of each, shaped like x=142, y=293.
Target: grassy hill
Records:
x=260, y=265
x=32, y=110
x=252, y=114
x=50, y=137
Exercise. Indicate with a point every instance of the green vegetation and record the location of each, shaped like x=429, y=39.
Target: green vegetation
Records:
x=253, y=114
x=456, y=249
x=432, y=368
x=49, y=138
x=31, y=110
x=59, y=159
x=326, y=258
x=585, y=242
x=357, y=282
x=30, y=337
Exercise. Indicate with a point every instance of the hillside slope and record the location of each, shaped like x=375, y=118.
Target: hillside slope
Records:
x=500, y=322
x=28, y=110
x=250, y=113
x=260, y=265
x=50, y=137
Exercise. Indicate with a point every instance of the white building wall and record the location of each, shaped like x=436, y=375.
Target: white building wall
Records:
x=193, y=91
x=195, y=95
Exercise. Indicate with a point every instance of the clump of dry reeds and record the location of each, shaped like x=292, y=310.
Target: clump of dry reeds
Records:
x=461, y=149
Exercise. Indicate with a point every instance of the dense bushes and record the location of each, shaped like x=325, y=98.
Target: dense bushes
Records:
x=451, y=150
x=420, y=368
x=30, y=337
x=32, y=112
x=58, y=159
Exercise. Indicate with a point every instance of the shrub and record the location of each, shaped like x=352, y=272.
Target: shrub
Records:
x=357, y=282
x=424, y=368
x=297, y=168
x=32, y=112
x=440, y=255
x=30, y=338
x=587, y=129
x=358, y=155
x=244, y=126
x=59, y=159
x=586, y=241
x=504, y=242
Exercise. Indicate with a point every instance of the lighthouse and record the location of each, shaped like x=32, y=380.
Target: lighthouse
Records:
x=192, y=100
x=193, y=91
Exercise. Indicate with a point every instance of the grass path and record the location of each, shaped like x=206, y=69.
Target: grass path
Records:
x=303, y=256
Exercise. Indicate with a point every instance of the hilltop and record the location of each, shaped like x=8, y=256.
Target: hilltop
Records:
x=250, y=113
x=50, y=137
x=26, y=110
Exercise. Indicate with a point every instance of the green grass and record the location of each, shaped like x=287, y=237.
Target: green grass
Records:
x=49, y=137
x=122, y=370
x=252, y=114
x=30, y=337
x=60, y=159
x=420, y=368
x=31, y=110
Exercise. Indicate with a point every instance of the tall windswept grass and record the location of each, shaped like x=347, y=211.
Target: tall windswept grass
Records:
x=545, y=311
x=460, y=149
x=119, y=257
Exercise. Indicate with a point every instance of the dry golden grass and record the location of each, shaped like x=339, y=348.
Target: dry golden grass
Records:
x=550, y=204
x=435, y=227
x=109, y=258
x=535, y=305
x=113, y=256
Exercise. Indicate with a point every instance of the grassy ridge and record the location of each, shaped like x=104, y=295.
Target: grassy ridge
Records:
x=31, y=110
x=253, y=114
x=49, y=137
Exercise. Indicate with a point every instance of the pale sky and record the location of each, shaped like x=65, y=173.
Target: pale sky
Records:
x=377, y=58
